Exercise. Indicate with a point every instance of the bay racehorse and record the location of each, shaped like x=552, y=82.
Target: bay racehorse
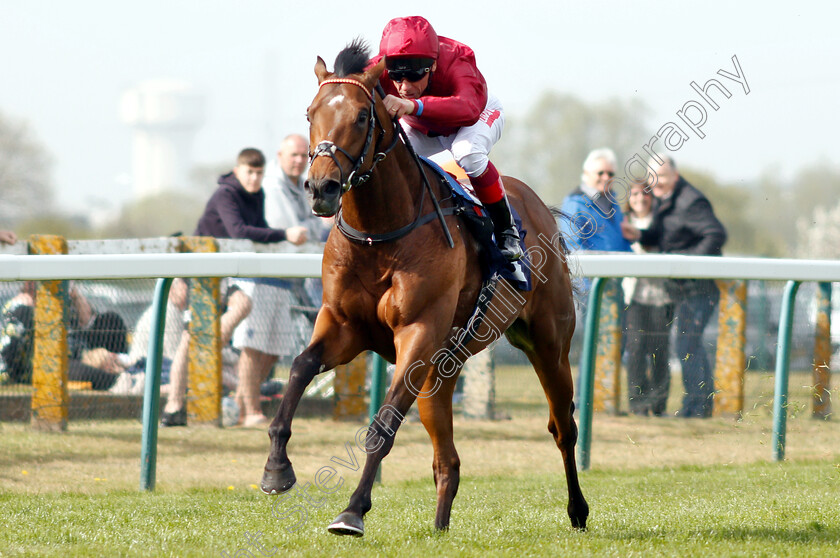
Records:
x=395, y=284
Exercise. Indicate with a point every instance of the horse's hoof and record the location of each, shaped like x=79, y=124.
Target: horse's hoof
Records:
x=578, y=515
x=347, y=523
x=578, y=523
x=278, y=482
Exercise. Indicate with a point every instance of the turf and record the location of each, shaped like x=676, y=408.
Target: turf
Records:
x=657, y=487
x=757, y=510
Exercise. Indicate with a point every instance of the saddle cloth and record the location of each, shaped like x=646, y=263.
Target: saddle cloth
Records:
x=493, y=264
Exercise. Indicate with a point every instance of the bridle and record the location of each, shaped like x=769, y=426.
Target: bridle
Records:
x=329, y=149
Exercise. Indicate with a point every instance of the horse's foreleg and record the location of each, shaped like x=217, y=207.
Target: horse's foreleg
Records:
x=330, y=345
x=415, y=344
x=279, y=476
x=436, y=414
x=378, y=441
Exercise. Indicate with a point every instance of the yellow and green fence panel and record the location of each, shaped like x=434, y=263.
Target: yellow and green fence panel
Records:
x=731, y=359
x=204, y=396
x=822, y=353
x=50, y=359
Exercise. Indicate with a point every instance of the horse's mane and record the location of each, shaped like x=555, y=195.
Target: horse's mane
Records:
x=353, y=59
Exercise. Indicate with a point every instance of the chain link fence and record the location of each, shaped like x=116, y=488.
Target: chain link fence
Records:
x=107, y=325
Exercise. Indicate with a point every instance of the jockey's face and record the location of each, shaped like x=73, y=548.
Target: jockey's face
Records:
x=250, y=177
x=414, y=89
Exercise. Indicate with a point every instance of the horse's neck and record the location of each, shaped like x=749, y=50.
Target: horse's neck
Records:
x=389, y=199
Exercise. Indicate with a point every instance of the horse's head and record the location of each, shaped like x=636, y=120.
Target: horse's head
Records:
x=343, y=120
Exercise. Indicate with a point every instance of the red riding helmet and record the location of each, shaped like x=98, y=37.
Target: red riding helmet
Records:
x=409, y=37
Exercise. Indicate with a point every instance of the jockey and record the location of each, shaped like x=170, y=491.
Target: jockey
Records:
x=433, y=84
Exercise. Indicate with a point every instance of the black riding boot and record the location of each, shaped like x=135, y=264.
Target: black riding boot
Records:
x=507, y=235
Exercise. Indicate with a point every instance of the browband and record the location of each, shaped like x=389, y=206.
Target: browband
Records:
x=350, y=81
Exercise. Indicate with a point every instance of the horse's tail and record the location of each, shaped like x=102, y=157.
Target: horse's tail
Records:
x=558, y=215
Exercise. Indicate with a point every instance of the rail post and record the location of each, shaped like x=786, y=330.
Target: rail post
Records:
x=587, y=372
x=151, y=397
x=377, y=394
x=782, y=370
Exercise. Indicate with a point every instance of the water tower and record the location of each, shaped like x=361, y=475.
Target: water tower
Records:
x=165, y=116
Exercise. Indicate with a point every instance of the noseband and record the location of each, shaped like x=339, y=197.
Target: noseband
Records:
x=328, y=149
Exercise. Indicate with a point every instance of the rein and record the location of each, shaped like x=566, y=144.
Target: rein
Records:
x=328, y=149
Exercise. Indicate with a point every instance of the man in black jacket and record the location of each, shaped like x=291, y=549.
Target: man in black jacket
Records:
x=235, y=210
x=685, y=223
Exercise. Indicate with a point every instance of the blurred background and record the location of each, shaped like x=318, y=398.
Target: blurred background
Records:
x=116, y=118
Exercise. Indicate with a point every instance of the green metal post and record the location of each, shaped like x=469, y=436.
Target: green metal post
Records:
x=782, y=371
x=377, y=395
x=151, y=398
x=587, y=372
x=377, y=386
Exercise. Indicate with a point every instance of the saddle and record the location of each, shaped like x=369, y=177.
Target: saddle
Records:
x=474, y=215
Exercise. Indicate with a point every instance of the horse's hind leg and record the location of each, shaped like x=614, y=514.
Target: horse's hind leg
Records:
x=330, y=346
x=436, y=415
x=548, y=351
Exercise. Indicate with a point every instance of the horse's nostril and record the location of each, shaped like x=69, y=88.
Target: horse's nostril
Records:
x=332, y=188
x=320, y=188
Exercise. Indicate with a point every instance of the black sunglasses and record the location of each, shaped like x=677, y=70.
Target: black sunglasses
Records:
x=406, y=74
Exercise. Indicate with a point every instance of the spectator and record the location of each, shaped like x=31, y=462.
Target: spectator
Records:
x=685, y=223
x=647, y=320
x=96, y=352
x=8, y=237
x=591, y=221
x=235, y=210
x=94, y=342
x=272, y=329
x=176, y=304
x=593, y=218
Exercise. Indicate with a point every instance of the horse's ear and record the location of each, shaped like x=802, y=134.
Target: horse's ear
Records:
x=321, y=69
x=373, y=73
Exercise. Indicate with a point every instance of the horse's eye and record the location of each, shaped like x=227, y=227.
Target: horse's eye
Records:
x=307, y=114
x=363, y=117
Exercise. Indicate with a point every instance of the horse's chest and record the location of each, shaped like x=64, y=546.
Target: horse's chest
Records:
x=391, y=293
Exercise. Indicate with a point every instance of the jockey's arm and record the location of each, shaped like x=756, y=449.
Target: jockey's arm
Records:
x=462, y=108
